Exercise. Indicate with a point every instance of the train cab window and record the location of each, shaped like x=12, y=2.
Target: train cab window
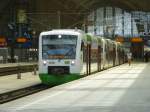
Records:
x=59, y=46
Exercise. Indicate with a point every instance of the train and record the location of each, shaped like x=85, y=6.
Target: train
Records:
x=69, y=54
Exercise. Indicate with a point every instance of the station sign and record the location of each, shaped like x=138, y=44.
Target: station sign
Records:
x=21, y=40
x=136, y=39
x=3, y=41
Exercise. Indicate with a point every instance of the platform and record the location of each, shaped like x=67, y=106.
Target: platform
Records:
x=10, y=82
x=16, y=64
x=120, y=89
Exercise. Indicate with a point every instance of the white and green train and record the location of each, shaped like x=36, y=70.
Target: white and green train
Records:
x=67, y=54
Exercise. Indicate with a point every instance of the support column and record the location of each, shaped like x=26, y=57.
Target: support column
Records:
x=59, y=19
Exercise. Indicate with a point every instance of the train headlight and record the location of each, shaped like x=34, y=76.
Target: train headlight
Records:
x=73, y=62
x=44, y=62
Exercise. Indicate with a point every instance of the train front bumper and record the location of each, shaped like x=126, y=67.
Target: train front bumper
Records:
x=53, y=79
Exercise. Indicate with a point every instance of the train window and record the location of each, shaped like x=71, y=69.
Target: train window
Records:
x=56, y=46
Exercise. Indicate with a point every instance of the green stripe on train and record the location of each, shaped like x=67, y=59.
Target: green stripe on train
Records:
x=51, y=79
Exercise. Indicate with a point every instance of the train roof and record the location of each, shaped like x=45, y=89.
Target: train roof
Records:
x=63, y=31
x=86, y=37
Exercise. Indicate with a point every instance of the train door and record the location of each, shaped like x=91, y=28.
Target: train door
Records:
x=94, y=55
x=103, y=54
x=110, y=53
x=84, y=56
x=99, y=54
x=114, y=54
x=117, y=57
x=106, y=54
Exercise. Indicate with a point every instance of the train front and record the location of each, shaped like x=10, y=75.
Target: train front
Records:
x=59, y=59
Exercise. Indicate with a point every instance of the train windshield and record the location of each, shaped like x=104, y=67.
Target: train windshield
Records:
x=59, y=46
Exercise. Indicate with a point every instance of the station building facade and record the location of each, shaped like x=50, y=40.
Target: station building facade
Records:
x=112, y=22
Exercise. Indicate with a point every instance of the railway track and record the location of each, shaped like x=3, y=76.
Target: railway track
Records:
x=4, y=71
x=12, y=95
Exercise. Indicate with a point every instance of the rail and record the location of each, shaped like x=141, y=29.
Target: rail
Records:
x=17, y=69
x=13, y=95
